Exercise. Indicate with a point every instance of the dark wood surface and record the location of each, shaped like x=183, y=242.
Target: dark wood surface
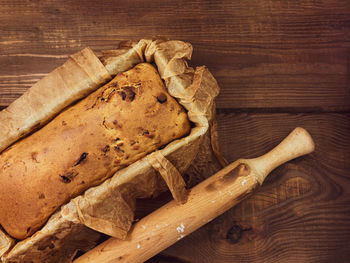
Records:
x=279, y=63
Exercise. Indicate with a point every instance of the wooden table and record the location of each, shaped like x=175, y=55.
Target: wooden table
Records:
x=280, y=64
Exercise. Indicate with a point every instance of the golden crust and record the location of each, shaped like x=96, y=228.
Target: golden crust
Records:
x=113, y=127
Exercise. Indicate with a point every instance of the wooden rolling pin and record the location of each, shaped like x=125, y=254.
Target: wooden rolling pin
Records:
x=207, y=200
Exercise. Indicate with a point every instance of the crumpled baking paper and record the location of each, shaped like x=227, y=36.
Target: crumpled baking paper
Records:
x=109, y=207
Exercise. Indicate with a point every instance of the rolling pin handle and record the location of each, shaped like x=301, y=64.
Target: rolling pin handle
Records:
x=296, y=144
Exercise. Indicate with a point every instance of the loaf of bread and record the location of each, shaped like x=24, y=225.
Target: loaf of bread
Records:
x=113, y=127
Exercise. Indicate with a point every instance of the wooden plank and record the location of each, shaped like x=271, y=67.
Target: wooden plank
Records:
x=265, y=54
x=300, y=214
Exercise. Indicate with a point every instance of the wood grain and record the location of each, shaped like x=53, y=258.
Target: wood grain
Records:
x=265, y=54
x=301, y=214
x=279, y=63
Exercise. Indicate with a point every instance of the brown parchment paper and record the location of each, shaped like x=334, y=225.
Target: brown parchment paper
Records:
x=170, y=174
x=108, y=208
